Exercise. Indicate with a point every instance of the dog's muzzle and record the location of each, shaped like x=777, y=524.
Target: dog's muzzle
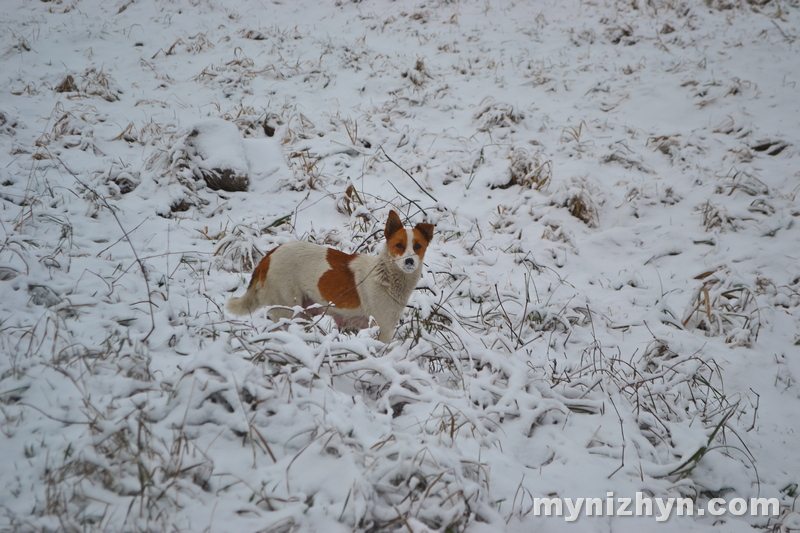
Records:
x=408, y=265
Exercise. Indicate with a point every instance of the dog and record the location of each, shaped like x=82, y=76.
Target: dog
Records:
x=350, y=288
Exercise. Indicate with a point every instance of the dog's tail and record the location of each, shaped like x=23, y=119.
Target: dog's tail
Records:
x=244, y=305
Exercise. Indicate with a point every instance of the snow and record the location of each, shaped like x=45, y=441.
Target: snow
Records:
x=217, y=144
x=610, y=302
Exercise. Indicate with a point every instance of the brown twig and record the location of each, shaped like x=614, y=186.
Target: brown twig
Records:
x=407, y=173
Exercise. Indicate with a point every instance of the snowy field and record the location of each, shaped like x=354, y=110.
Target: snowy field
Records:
x=610, y=303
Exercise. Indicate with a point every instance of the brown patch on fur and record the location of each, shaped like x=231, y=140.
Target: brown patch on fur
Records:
x=260, y=272
x=397, y=242
x=422, y=239
x=397, y=239
x=338, y=285
x=425, y=231
x=393, y=225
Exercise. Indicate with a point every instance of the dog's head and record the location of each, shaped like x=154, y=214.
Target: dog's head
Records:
x=406, y=246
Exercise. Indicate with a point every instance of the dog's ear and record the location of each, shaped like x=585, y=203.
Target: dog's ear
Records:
x=426, y=230
x=393, y=224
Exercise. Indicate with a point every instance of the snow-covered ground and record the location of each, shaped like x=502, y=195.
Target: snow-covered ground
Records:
x=610, y=303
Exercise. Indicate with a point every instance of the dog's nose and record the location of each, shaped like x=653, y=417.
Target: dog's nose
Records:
x=409, y=261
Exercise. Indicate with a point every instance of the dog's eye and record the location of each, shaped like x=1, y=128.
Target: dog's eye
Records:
x=400, y=246
x=417, y=246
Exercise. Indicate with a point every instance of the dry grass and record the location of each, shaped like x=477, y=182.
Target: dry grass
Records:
x=722, y=306
x=126, y=452
x=418, y=74
x=92, y=82
x=493, y=114
x=474, y=358
x=533, y=171
x=236, y=249
x=306, y=168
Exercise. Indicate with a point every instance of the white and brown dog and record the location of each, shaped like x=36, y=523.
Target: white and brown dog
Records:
x=350, y=288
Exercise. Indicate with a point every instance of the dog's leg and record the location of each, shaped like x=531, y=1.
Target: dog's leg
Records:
x=386, y=330
x=386, y=334
x=277, y=313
